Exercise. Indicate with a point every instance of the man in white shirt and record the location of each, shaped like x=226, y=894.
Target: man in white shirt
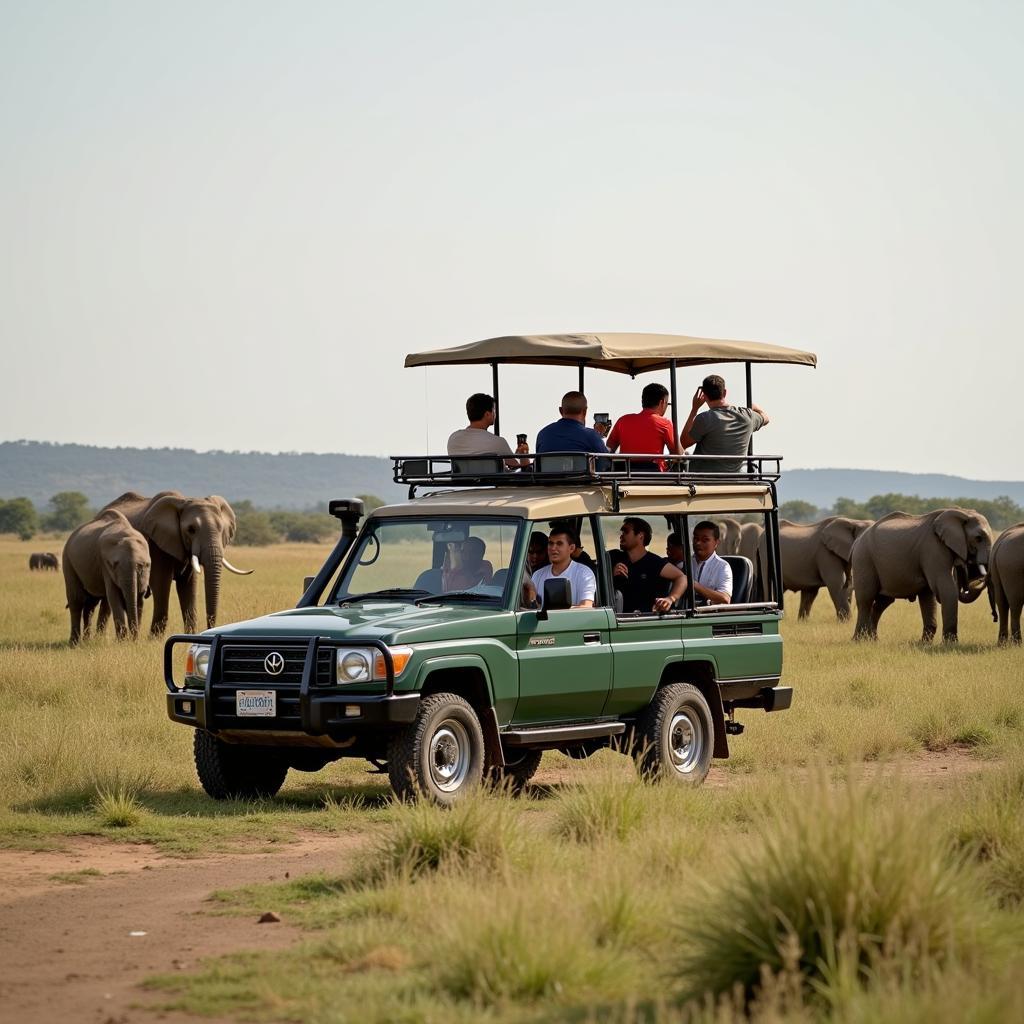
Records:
x=561, y=545
x=477, y=439
x=711, y=574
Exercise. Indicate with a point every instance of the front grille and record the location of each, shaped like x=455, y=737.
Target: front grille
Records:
x=245, y=664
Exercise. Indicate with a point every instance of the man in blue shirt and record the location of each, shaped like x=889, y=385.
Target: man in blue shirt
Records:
x=571, y=433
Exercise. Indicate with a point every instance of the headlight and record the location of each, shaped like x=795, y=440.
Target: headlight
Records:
x=363, y=664
x=197, y=661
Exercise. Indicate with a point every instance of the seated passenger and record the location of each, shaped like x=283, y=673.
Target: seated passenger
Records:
x=642, y=576
x=561, y=545
x=464, y=565
x=723, y=429
x=536, y=552
x=674, y=551
x=646, y=431
x=571, y=433
x=476, y=439
x=711, y=574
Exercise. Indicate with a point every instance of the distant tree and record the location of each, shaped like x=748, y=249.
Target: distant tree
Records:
x=1000, y=512
x=371, y=502
x=19, y=516
x=798, y=511
x=254, y=527
x=303, y=527
x=68, y=510
x=849, y=508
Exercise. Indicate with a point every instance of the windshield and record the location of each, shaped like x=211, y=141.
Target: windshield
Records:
x=466, y=559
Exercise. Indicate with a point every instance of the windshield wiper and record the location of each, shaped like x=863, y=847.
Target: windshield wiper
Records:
x=459, y=595
x=390, y=592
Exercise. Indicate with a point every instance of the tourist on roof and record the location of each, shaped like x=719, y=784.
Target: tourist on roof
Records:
x=646, y=432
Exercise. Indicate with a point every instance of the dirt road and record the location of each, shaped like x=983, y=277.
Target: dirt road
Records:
x=68, y=952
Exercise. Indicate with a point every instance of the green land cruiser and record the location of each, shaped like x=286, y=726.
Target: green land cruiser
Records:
x=389, y=657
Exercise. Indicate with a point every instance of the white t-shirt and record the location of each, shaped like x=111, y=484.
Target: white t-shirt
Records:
x=715, y=573
x=474, y=441
x=582, y=581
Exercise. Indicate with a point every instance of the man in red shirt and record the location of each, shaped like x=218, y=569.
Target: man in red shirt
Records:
x=646, y=432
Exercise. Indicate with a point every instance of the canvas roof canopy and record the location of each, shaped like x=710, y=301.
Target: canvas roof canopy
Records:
x=621, y=353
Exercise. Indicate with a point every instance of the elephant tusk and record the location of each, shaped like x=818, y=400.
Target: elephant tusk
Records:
x=237, y=572
x=196, y=567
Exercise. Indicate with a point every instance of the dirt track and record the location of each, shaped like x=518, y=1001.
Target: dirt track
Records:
x=67, y=952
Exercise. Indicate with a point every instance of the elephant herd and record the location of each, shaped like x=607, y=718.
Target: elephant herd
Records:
x=43, y=560
x=941, y=560
x=136, y=547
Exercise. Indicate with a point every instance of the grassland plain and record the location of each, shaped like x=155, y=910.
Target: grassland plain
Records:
x=869, y=892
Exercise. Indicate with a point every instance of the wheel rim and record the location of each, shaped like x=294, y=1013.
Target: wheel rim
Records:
x=686, y=742
x=449, y=755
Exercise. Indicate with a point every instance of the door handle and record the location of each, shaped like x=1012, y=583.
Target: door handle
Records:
x=591, y=638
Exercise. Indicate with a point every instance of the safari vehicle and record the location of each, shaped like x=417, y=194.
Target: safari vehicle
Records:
x=390, y=658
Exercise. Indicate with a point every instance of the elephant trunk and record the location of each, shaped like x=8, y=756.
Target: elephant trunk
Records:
x=129, y=585
x=972, y=581
x=212, y=559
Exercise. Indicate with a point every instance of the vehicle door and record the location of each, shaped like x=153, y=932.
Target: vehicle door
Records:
x=565, y=661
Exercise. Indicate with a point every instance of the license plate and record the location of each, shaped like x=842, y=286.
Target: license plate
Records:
x=256, y=703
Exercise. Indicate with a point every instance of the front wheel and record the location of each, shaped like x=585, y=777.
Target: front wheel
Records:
x=674, y=737
x=440, y=756
x=230, y=771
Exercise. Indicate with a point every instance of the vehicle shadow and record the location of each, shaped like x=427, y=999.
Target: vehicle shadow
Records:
x=939, y=649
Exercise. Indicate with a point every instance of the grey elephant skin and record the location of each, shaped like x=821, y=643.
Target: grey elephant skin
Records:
x=44, y=560
x=943, y=555
x=187, y=538
x=729, y=542
x=106, y=560
x=816, y=555
x=1006, y=582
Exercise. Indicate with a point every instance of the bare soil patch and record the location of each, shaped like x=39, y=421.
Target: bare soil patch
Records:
x=68, y=953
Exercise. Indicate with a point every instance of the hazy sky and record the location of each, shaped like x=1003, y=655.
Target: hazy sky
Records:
x=223, y=225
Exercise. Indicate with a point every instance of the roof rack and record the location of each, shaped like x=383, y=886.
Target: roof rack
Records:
x=557, y=469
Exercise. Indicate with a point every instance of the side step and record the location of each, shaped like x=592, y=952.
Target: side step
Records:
x=562, y=735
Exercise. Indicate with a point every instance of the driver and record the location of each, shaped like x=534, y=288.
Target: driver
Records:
x=464, y=565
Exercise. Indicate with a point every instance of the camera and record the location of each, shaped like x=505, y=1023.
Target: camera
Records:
x=520, y=439
x=603, y=417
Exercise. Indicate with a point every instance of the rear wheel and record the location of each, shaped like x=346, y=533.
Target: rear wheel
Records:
x=440, y=756
x=230, y=771
x=674, y=737
x=520, y=767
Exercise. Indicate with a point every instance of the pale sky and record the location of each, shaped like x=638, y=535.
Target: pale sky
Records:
x=223, y=225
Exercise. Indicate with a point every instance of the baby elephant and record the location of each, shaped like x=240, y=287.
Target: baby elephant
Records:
x=1006, y=582
x=43, y=560
x=106, y=560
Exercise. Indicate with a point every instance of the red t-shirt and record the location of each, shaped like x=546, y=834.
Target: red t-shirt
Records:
x=642, y=433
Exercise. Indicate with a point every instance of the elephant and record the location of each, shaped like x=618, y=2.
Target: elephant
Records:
x=943, y=554
x=187, y=538
x=750, y=540
x=44, y=560
x=1006, y=582
x=729, y=542
x=35, y=560
x=106, y=560
x=816, y=555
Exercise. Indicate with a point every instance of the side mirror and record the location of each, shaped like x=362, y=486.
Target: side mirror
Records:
x=557, y=597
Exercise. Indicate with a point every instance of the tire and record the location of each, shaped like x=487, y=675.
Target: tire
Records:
x=519, y=768
x=675, y=737
x=232, y=772
x=440, y=756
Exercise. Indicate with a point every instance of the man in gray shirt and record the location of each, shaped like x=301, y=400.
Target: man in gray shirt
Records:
x=476, y=439
x=723, y=429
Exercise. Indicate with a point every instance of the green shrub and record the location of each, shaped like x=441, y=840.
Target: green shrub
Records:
x=117, y=808
x=839, y=886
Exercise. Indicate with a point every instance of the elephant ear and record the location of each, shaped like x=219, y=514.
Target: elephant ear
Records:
x=949, y=525
x=228, y=512
x=838, y=537
x=162, y=524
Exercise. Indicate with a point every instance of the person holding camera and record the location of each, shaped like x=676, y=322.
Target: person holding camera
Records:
x=571, y=433
x=476, y=439
x=723, y=429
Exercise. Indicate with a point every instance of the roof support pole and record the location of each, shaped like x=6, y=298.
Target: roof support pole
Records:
x=750, y=402
x=674, y=389
x=581, y=379
x=497, y=404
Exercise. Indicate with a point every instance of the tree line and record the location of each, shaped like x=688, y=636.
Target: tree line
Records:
x=67, y=510
x=1000, y=512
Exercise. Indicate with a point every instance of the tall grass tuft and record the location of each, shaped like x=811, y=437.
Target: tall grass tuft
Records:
x=840, y=887
x=602, y=805
x=482, y=830
x=118, y=807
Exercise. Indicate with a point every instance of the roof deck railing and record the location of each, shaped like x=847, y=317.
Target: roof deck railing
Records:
x=553, y=469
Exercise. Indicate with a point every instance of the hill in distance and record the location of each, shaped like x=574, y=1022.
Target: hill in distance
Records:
x=37, y=470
